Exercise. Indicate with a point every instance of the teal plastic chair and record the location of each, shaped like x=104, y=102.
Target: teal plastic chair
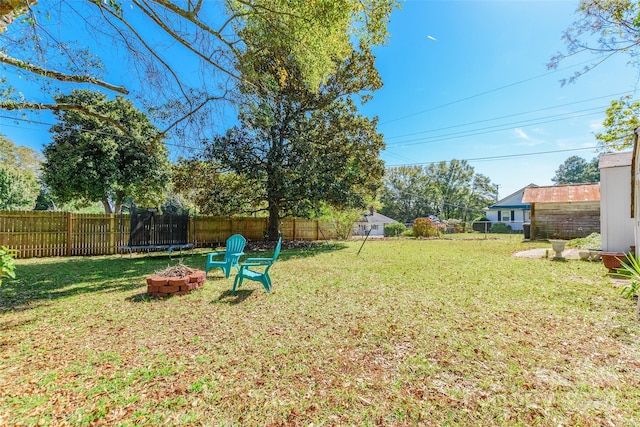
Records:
x=260, y=274
x=232, y=253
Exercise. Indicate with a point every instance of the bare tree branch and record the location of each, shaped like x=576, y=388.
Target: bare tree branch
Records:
x=154, y=17
x=193, y=111
x=12, y=106
x=144, y=43
x=63, y=77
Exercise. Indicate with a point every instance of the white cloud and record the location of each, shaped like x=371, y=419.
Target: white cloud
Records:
x=525, y=139
x=522, y=134
x=596, y=126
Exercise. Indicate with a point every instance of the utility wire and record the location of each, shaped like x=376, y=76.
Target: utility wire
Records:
x=495, y=128
x=506, y=117
x=506, y=156
x=457, y=101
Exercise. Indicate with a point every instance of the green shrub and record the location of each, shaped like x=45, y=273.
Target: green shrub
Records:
x=407, y=233
x=500, y=227
x=394, y=230
x=630, y=269
x=424, y=227
x=7, y=263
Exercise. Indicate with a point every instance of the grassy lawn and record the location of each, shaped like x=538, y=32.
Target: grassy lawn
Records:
x=427, y=332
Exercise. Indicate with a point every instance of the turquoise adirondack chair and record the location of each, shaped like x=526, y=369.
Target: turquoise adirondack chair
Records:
x=232, y=253
x=249, y=272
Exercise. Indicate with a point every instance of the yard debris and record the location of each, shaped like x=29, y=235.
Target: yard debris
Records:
x=179, y=270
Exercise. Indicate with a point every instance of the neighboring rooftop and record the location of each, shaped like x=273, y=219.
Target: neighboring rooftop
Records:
x=612, y=160
x=377, y=218
x=562, y=193
x=512, y=201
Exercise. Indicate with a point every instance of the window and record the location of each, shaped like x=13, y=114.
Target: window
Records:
x=506, y=216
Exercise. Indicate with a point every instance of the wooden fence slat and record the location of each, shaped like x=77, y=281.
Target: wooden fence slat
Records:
x=45, y=234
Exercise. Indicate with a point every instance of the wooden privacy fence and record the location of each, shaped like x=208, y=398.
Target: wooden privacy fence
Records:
x=43, y=233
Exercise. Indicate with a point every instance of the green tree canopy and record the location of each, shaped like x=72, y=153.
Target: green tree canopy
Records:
x=304, y=145
x=450, y=190
x=94, y=160
x=405, y=195
x=620, y=124
x=213, y=190
x=19, y=171
x=576, y=170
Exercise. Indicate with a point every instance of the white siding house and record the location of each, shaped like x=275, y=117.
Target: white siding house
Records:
x=616, y=223
x=510, y=210
x=372, y=221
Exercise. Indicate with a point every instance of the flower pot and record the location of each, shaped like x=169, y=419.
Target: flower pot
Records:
x=558, y=246
x=611, y=260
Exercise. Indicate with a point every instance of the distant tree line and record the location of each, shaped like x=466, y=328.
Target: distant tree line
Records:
x=448, y=190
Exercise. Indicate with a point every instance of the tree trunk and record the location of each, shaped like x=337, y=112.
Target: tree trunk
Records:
x=107, y=206
x=274, y=221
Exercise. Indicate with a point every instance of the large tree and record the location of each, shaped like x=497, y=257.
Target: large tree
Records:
x=95, y=160
x=576, y=170
x=405, y=194
x=181, y=56
x=450, y=190
x=19, y=171
x=211, y=189
x=304, y=145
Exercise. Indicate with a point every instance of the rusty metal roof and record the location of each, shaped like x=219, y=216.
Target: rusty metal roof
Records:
x=562, y=193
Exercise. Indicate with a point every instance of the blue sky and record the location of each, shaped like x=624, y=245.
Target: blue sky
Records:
x=469, y=80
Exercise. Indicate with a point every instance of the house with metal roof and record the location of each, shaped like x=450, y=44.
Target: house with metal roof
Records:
x=510, y=210
x=564, y=211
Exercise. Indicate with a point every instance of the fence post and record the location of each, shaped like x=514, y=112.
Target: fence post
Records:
x=191, y=230
x=112, y=234
x=69, y=233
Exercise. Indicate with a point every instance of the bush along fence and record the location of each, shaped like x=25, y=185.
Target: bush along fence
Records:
x=43, y=233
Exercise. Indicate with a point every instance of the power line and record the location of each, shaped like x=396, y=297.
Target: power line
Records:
x=482, y=93
x=503, y=157
x=506, y=117
x=491, y=129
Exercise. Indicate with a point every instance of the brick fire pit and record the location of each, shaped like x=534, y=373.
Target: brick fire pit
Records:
x=160, y=286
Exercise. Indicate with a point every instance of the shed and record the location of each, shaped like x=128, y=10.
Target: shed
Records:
x=616, y=223
x=564, y=211
x=510, y=210
x=635, y=188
